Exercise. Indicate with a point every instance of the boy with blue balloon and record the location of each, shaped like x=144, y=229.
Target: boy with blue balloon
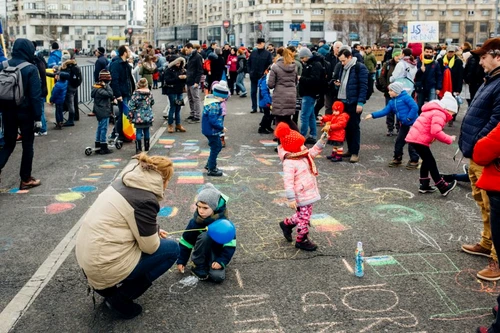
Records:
x=209, y=238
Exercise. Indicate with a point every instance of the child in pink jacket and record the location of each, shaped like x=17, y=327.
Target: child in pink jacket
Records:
x=301, y=188
x=428, y=128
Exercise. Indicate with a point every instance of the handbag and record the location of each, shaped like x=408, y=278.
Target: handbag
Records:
x=179, y=102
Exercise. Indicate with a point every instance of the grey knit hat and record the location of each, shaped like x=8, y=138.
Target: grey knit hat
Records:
x=209, y=195
x=305, y=52
x=397, y=87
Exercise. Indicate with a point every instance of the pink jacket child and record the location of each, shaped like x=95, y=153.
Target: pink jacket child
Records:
x=301, y=188
x=427, y=128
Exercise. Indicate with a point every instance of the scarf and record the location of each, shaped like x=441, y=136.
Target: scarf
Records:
x=449, y=62
x=210, y=219
x=345, y=77
x=303, y=154
x=427, y=61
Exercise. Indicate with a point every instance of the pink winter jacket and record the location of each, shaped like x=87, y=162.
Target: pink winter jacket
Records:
x=429, y=125
x=300, y=183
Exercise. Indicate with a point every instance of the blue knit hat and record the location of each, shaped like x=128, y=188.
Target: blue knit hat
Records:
x=221, y=90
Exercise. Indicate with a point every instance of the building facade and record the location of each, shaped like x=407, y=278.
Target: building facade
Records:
x=81, y=24
x=283, y=21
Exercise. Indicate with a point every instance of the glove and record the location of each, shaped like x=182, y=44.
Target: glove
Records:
x=38, y=126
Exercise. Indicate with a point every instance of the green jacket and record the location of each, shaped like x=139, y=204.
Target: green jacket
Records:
x=370, y=62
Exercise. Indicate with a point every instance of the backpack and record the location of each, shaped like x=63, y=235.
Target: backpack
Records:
x=11, y=83
x=75, y=79
x=378, y=82
x=206, y=66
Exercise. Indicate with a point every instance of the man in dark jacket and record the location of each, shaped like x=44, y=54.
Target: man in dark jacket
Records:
x=481, y=118
x=70, y=66
x=351, y=79
x=194, y=71
x=454, y=64
x=258, y=62
x=41, y=65
x=429, y=78
x=312, y=78
x=473, y=75
x=26, y=117
x=122, y=83
x=101, y=62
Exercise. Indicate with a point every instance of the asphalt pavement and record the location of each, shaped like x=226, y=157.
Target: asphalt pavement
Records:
x=416, y=278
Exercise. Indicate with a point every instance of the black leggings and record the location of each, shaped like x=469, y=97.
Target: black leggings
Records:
x=428, y=162
x=288, y=120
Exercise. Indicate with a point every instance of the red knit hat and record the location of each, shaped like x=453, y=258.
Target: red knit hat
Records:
x=291, y=141
x=338, y=106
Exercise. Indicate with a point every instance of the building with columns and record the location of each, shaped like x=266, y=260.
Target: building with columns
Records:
x=282, y=21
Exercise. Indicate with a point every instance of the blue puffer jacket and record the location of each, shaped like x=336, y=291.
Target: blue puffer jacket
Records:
x=58, y=94
x=264, y=94
x=403, y=106
x=357, y=85
x=54, y=58
x=483, y=114
x=212, y=122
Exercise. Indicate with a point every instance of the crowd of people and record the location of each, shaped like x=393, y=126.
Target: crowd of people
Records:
x=424, y=88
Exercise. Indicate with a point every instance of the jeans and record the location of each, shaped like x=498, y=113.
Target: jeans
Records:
x=174, y=109
x=118, y=129
x=240, y=85
x=156, y=264
x=428, y=162
x=70, y=103
x=253, y=92
x=12, y=121
x=194, y=101
x=140, y=132
x=425, y=96
x=203, y=257
x=307, y=117
x=215, y=147
x=59, y=113
x=494, y=198
x=482, y=200
x=43, y=120
x=400, y=143
x=102, y=129
x=352, y=130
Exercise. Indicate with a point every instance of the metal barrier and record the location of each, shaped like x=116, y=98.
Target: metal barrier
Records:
x=85, y=89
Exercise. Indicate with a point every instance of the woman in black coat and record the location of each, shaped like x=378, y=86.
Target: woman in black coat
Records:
x=174, y=81
x=217, y=67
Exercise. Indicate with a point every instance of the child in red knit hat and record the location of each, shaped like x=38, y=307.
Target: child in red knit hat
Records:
x=335, y=125
x=298, y=163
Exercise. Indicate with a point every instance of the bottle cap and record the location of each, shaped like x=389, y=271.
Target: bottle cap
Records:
x=360, y=245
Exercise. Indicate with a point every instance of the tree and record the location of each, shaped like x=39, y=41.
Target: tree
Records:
x=382, y=17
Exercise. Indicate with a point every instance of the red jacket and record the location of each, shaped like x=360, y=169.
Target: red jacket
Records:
x=487, y=152
x=337, y=125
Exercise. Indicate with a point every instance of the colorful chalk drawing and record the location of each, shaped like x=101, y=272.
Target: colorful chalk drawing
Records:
x=69, y=196
x=18, y=191
x=326, y=223
x=204, y=153
x=269, y=143
x=398, y=213
x=183, y=163
x=190, y=143
x=93, y=177
x=109, y=165
x=59, y=207
x=5, y=244
x=84, y=189
x=190, y=177
x=369, y=147
x=184, y=285
x=166, y=141
x=168, y=211
x=191, y=149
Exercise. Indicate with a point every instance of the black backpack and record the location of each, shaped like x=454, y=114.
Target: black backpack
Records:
x=75, y=79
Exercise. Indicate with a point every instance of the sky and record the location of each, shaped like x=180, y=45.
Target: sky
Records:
x=140, y=9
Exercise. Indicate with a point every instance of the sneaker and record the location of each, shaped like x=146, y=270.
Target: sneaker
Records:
x=448, y=178
x=243, y=95
x=482, y=329
x=306, y=245
x=194, y=120
x=354, y=158
x=346, y=154
x=31, y=182
x=494, y=310
x=465, y=167
x=200, y=272
x=477, y=250
x=411, y=165
x=287, y=231
x=41, y=133
x=123, y=307
x=214, y=173
x=189, y=118
x=253, y=111
x=445, y=188
x=310, y=140
x=395, y=163
x=490, y=272
x=389, y=133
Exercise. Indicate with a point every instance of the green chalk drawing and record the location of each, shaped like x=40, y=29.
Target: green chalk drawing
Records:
x=399, y=214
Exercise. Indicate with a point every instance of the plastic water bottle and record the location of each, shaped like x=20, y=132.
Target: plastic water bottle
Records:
x=359, y=268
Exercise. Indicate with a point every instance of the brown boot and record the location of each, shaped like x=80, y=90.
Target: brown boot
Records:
x=491, y=272
x=31, y=182
x=170, y=128
x=179, y=128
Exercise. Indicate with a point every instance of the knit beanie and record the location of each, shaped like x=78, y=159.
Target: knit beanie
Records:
x=291, y=141
x=55, y=46
x=101, y=50
x=397, y=87
x=143, y=83
x=305, y=52
x=345, y=47
x=104, y=75
x=324, y=50
x=338, y=106
x=396, y=51
x=221, y=90
x=209, y=195
x=448, y=102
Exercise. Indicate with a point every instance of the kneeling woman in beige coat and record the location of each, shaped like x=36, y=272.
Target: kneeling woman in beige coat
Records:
x=120, y=242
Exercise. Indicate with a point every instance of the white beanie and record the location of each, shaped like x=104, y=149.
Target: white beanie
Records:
x=305, y=52
x=448, y=102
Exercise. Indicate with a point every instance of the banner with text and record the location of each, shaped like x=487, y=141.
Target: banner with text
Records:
x=423, y=32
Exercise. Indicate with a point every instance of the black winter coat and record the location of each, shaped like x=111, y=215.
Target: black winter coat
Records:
x=483, y=114
x=258, y=62
x=122, y=80
x=312, y=80
x=457, y=73
x=217, y=67
x=41, y=64
x=102, y=96
x=171, y=82
x=100, y=64
x=194, y=69
x=431, y=78
x=473, y=74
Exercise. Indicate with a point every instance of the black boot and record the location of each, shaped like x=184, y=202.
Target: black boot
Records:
x=306, y=245
x=146, y=144
x=70, y=121
x=104, y=149
x=425, y=186
x=287, y=231
x=122, y=302
x=214, y=173
x=445, y=187
x=97, y=146
x=138, y=146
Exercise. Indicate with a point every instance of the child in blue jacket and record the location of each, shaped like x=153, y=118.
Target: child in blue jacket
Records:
x=212, y=125
x=406, y=110
x=209, y=257
x=58, y=96
x=265, y=104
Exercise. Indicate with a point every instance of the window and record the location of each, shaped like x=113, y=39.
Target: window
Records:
x=429, y=12
x=90, y=30
x=455, y=27
x=39, y=29
x=485, y=13
x=470, y=13
x=414, y=13
x=469, y=27
x=52, y=6
x=442, y=28
x=276, y=26
x=318, y=12
x=401, y=12
x=116, y=31
x=65, y=6
x=337, y=26
x=456, y=13
x=17, y=30
x=251, y=2
x=483, y=27
x=24, y=30
x=298, y=1
x=78, y=30
x=11, y=31
x=298, y=11
x=274, y=12
x=65, y=30
x=442, y=13
x=276, y=1
x=317, y=26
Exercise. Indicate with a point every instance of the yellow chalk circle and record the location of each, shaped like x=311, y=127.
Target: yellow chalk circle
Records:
x=69, y=196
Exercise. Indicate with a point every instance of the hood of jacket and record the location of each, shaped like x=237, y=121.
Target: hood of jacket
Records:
x=411, y=63
x=287, y=68
x=324, y=50
x=23, y=49
x=314, y=58
x=148, y=180
x=436, y=106
x=180, y=60
x=241, y=56
x=212, y=56
x=68, y=63
x=209, y=100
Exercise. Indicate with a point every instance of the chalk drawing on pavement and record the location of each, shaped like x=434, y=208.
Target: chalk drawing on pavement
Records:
x=398, y=213
x=59, y=207
x=190, y=143
x=5, y=244
x=204, y=153
x=69, y=196
x=18, y=191
x=269, y=143
x=190, y=177
x=184, y=285
x=403, y=193
x=84, y=189
x=326, y=223
x=168, y=211
x=183, y=163
x=165, y=141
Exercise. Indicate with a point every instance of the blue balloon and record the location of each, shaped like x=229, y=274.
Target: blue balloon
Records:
x=222, y=231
